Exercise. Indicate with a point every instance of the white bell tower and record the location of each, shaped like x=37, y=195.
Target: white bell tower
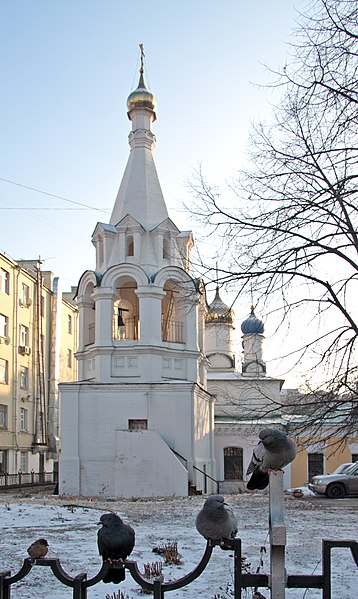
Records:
x=139, y=421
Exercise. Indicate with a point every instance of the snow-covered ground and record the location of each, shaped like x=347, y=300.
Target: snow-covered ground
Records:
x=72, y=535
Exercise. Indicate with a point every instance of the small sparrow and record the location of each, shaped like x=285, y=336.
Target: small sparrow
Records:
x=38, y=549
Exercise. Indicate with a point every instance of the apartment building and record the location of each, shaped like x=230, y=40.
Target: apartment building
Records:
x=38, y=341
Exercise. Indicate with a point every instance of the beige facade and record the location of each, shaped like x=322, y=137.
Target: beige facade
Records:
x=38, y=340
x=317, y=455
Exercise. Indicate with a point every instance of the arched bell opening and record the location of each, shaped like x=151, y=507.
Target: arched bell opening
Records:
x=125, y=310
x=173, y=313
x=89, y=315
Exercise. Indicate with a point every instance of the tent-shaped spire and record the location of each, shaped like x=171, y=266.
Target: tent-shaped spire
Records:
x=140, y=194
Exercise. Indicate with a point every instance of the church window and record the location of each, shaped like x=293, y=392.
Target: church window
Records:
x=130, y=245
x=166, y=247
x=233, y=463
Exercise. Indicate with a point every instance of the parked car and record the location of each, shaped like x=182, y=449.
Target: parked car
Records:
x=342, y=468
x=336, y=485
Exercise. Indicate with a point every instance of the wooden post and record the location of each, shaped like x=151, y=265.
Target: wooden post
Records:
x=277, y=536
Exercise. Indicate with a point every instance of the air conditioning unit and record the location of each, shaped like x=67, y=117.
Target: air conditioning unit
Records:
x=5, y=340
x=25, y=350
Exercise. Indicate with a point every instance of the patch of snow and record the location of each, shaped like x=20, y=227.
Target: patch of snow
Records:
x=70, y=526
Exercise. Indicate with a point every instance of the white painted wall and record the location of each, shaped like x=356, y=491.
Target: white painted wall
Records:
x=95, y=420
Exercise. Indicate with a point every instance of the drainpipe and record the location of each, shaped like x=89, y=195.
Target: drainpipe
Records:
x=15, y=343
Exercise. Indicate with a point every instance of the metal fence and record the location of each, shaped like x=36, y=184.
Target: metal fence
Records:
x=277, y=580
x=27, y=479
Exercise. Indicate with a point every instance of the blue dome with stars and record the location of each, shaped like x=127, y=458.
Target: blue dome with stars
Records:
x=252, y=325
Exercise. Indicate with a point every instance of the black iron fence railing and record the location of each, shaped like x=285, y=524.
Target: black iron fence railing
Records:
x=27, y=479
x=242, y=580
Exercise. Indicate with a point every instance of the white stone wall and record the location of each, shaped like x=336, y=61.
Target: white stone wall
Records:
x=95, y=436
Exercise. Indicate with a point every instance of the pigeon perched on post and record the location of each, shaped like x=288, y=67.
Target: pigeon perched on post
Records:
x=115, y=542
x=216, y=521
x=274, y=451
x=38, y=549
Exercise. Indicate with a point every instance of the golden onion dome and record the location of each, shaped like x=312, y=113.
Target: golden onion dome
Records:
x=218, y=311
x=141, y=97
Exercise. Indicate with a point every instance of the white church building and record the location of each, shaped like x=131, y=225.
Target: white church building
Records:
x=159, y=408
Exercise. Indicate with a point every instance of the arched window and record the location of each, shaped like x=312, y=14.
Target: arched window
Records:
x=129, y=245
x=233, y=463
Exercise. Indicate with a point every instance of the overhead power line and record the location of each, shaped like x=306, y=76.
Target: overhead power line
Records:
x=53, y=195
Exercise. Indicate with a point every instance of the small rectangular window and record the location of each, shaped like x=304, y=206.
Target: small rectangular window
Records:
x=137, y=425
x=3, y=416
x=3, y=461
x=69, y=358
x=25, y=295
x=69, y=324
x=24, y=419
x=4, y=325
x=23, y=461
x=42, y=306
x=315, y=465
x=4, y=281
x=4, y=371
x=24, y=335
x=24, y=377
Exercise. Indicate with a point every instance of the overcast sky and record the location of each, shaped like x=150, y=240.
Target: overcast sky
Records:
x=67, y=68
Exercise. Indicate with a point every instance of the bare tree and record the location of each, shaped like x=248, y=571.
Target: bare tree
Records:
x=289, y=223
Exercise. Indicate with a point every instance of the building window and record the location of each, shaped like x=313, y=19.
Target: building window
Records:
x=23, y=461
x=24, y=335
x=24, y=377
x=4, y=281
x=3, y=416
x=4, y=325
x=25, y=295
x=24, y=419
x=69, y=324
x=3, y=461
x=69, y=358
x=137, y=425
x=233, y=463
x=4, y=371
x=42, y=306
x=315, y=465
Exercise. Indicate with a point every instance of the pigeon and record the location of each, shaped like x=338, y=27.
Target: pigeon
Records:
x=216, y=521
x=38, y=549
x=115, y=542
x=274, y=451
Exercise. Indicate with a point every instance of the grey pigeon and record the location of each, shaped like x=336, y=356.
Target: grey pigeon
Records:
x=274, y=451
x=216, y=521
x=115, y=542
x=38, y=549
